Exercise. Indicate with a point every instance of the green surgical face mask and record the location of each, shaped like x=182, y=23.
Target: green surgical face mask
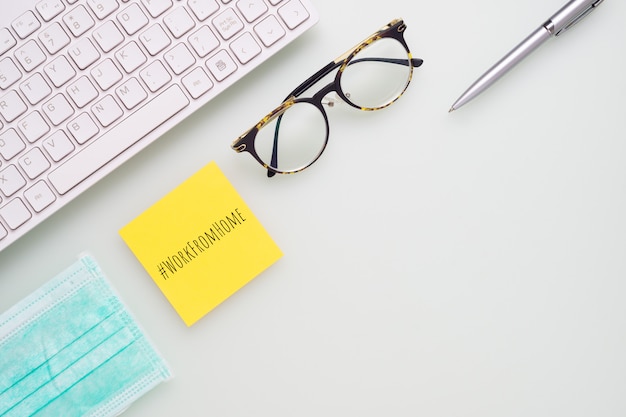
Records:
x=72, y=349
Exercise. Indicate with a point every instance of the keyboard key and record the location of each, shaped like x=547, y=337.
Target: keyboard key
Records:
x=10, y=145
x=15, y=213
x=49, y=9
x=197, y=82
x=3, y=232
x=107, y=111
x=155, y=76
x=83, y=53
x=154, y=39
x=203, y=41
x=7, y=41
x=118, y=139
x=221, y=65
x=252, y=9
x=102, y=8
x=179, y=22
x=82, y=92
x=30, y=55
x=54, y=38
x=34, y=163
x=82, y=128
x=228, y=24
x=58, y=145
x=269, y=30
x=12, y=106
x=78, y=21
x=39, y=196
x=60, y=71
x=106, y=74
x=130, y=57
x=26, y=24
x=203, y=8
x=9, y=73
x=245, y=48
x=108, y=36
x=58, y=109
x=35, y=88
x=11, y=180
x=132, y=19
x=33, y=126
x=131, y=93
x=157, y=7
x=293, y=14
x=179, y=59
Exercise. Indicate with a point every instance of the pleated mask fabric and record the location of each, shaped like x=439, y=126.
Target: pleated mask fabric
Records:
x=72, y=348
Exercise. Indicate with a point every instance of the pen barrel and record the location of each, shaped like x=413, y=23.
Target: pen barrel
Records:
x=569, y=14
x=493, y=74
x=521, y=51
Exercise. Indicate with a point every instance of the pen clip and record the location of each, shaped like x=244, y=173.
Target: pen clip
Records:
x=578, y=17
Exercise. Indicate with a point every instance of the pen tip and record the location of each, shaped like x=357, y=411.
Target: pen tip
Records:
x=451, y=109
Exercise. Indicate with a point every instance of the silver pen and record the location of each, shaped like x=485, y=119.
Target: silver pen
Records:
x=570, y=14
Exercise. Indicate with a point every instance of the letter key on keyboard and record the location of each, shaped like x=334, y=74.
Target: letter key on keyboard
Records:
x=86, y=84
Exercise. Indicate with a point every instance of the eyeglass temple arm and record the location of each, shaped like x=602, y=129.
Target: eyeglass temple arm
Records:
x=416, y=62
x=313, y=79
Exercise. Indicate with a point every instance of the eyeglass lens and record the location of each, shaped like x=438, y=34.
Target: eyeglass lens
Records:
x=375, y=77
x=302, y=137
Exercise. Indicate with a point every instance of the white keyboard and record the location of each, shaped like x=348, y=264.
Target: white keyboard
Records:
x=86, y=84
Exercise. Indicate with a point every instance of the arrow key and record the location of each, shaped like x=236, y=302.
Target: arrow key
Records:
x=251, y=9
x=293, y=14
x=269, y=30
x=245, y=48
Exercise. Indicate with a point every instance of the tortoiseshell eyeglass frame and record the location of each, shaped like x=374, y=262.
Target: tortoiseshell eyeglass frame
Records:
x=245, y=143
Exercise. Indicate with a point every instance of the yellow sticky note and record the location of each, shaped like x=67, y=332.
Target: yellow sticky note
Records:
x=200, y=243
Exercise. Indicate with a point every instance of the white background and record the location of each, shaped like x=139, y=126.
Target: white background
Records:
x=435, y=264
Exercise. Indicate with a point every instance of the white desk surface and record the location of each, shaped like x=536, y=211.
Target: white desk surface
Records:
x=435, y=264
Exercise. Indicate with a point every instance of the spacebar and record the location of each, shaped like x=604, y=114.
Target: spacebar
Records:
x=130, y=130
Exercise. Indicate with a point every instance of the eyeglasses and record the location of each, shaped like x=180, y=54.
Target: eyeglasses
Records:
x=294, y=135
